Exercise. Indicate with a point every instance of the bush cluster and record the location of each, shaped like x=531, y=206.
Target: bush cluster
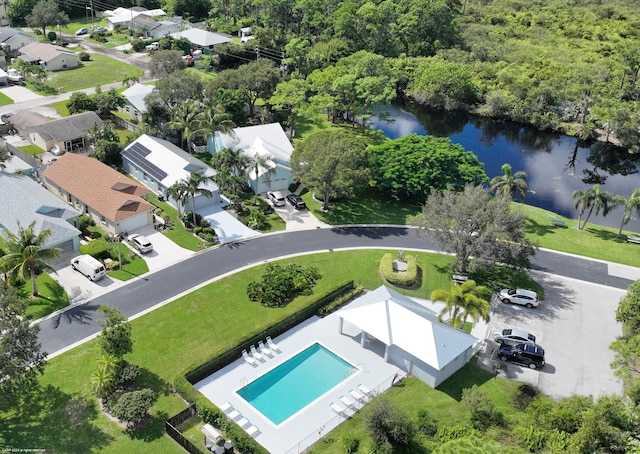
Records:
x=280, y=284
x=84, y=222
x=407, y=278
x=482, y=412
x=339, y=301
x=387, y=425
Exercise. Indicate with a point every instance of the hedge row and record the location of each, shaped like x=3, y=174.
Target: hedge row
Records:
x=407, y=278
x=183, y=381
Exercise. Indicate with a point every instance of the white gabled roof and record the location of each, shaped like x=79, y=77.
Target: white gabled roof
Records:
x=269, y=139
x=397, y=320
x=202, y=38
x=174, y=161
x=136, y=94
x=24, y=201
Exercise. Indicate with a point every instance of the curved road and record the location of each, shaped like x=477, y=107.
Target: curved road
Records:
x=73, y=325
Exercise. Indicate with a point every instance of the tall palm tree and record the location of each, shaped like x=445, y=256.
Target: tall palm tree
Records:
x=186, y=119
x=212, y=120
x=630, y=204
x=510, y=183
x=257, y=162
x=463, y=301
x=231, y=167
x=592, y=199
x=5, y=156
x=184, y=189
x=25, y=257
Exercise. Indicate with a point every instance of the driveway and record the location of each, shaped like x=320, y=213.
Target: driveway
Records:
x=575, y=324
x=165, y=252
x=296, y=219
x=228, y=228
x=20, y=94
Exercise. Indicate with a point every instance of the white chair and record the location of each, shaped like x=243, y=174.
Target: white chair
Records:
x=272, y=345
x=348, y=401
x=255, y=353
x=253, y=430
x=364, y=389
x=357, y=395
x=337, y=408
x=248, y=358
x=264, y=349
x=233, y=414
x=243, y=422
x=226, y=407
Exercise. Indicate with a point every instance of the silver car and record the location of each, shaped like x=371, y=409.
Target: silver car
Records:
x=276, y=198
x=527, y=298
x=140, y=242
x=513, y=336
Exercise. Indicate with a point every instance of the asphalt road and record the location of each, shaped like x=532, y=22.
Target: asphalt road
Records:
x=77, y=323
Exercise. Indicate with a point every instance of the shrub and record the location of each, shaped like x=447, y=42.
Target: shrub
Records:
x=52, y=36
x=127, y=375
x=280, y=284
x=256, y=220
x=208, y=238
x=407, y=278
x=340, y=300
x=482, y=411
x=84, y=56
x=349, y=443
x=208, y=231
x=426, y=424
x=138, y=45
x=387, y=426
x=158, y=212
x=84, y=222
x=97, y=249
x=524, y=396
x=197, y=230
x=531, y=437
x=447, y=433
x=96, y=235
x=134, y=406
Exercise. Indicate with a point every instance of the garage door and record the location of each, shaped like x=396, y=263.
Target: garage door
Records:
x=66, y=246
x=134, y=223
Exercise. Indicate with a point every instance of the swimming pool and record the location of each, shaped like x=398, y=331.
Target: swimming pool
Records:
x=288, y=388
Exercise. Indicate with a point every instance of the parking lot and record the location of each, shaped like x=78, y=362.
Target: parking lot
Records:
x=575, y=324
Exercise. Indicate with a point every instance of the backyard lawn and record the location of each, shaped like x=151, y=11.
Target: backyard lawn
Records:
x=5, y=100
x=166, y=341
x=100, y=70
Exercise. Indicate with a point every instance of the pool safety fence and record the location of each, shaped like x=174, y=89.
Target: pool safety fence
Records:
x=314, y=437
x=171, y=430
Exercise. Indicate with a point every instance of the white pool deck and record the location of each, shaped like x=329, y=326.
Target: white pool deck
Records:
x=316, y=419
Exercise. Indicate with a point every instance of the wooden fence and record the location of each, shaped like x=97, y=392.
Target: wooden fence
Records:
x=170, y=428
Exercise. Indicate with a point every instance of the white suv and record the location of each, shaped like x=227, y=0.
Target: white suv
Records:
x=519, y=296
x=140, y=242
x=276, y=198
x=513, y=336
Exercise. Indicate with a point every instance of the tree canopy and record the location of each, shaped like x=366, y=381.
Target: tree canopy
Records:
x=45, y=13
x=412, y=166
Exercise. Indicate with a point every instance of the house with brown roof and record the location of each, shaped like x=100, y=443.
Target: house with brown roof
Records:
x=113, y=200
x=61, y=135
x=50, y=57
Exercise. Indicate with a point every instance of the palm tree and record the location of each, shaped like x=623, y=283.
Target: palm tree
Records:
x=185, y=189
x=463, y=301
x=103, y=380
x=5, y=156
x=256, y=163
x=231, y=166
x=510, y=183
x=187, y=121
x=629, y=204
x=25, y=257
x=214, y=119
x=591, y=199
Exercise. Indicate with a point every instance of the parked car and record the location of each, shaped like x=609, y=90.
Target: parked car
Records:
x=98, y=29
x=140, y=242
x=513, y=336
x=276, y=198
x=530, y=355
x=152, y=47
x=296, y=201
x=82, y=31
x=527, y=298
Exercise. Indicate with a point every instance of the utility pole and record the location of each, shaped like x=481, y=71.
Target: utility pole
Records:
x=91, y=14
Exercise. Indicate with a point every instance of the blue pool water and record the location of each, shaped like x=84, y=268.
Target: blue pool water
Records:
x=291, y=386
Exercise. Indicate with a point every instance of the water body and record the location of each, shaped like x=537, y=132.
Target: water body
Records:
x=556, y=164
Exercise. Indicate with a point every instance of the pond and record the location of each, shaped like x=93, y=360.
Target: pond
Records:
x=556, y=164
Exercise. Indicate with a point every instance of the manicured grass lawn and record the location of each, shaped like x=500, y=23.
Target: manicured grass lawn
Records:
x=61, y=108
x=132, y=264
x=5, y=100
x=52, y=296
x=178, y=234
x=206, y=322
x=31, y=149
x=101, y=70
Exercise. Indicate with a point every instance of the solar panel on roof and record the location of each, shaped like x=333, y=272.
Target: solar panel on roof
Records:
x=137, y=153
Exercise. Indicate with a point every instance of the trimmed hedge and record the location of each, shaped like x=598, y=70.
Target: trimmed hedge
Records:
x=99, y=249
x=407, y=278
x=183, y=381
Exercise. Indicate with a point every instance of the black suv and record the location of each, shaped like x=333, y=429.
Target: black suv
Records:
x=296, y=201
x=527, y=354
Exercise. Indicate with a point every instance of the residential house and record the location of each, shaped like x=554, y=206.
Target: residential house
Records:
x=61, y=135
x=3, y=77
x=269, y=141
x=24, y=201
x=202, y=39
x=11, y=40
x=135, y=100
x=112, y=199
x=50, y=57
x=411, y=335
x=159, y=164
x=134, y=18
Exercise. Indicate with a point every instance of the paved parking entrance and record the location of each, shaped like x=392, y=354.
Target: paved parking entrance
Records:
x=575, y=324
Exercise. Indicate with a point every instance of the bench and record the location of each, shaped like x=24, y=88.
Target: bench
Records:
x=633, y=239
x=558, y=223
x=459, y=279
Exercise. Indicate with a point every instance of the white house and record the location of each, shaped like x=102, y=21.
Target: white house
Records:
x=413, y=338
x=24, y=201
x=134, y=97
x=50, y=57
x=159, y=164
x=269, y=141
x=202, y=39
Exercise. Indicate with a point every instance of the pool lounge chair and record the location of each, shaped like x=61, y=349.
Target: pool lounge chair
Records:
x=338, y=408
x=272, y=345
x=264, y=349
x=364, y=389
x=249, y=359
x=233, y=414
x=243, y=422
x=255, y=353
x=348, y=401
x=253, y=430
x=226, y=407
x=357, y=395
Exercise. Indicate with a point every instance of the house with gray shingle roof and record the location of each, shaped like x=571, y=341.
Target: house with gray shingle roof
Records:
x=24, y=201
x=413, y=337
x=202, y=39
x=50, y=57
x=134, y=97
x=12, y=39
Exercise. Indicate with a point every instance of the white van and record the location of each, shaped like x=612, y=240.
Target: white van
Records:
x=88, y=266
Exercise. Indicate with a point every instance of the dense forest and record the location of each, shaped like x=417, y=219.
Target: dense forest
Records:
x=565, y=65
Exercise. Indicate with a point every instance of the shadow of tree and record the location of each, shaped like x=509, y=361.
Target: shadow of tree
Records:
x=82, y=314
x=54, y=421
x=151, y=429
x=605, y=234
x=535, y=228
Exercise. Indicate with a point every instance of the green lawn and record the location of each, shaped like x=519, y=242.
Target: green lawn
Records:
x=101, y=70
x=168, y=340
x=5, y=100
x=61, y=108
x=52, y=296
x=31, y=149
